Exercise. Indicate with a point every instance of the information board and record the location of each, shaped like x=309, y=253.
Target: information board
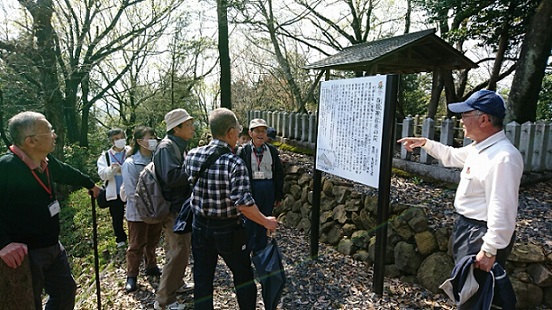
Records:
x=350, y=126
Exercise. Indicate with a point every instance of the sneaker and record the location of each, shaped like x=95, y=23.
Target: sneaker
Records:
x=185, y=288
x=121, y=244
x=174, y=306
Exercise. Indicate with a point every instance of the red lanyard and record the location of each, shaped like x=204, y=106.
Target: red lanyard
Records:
x=116, y=159
x=259, y=159
x=48, y=188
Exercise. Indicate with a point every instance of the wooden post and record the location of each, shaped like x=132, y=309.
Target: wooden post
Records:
x=312, y=128
x=526, y=141
x=428, y=131
x=512, y=131
x=539, y=146
x=305, y=126
x=548, y=153
x=407, y=131
x=16, y=287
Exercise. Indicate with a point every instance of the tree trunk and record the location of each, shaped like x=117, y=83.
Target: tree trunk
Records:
x=283, y=61
x=70, y=109
x=436, y=89
x=502, y=45
x=16, y=286
x=224, y=52
x=86, y=105
x=450, y=89
x=45, y=61
x=535, y=50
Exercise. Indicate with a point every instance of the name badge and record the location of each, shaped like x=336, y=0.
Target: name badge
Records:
x=54, y=208
x=258, y=175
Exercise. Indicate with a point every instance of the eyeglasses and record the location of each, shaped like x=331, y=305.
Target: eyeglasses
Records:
x=51, y=133
x=468, y=114
x=238, y=127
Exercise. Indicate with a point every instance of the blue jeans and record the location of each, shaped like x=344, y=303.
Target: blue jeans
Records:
x=263, y=193
x=50, y=271
x=224, y=237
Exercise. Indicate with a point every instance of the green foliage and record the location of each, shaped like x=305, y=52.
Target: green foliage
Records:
x=82, y=158
x=544, y=105
x=481, y=20
x=295, y=149
x=77, y=237
x=18, y=94
x=417, y=93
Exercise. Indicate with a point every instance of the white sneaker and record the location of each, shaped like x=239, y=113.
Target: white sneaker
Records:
x=157, y=306
x=185, y=288
x=174, y=306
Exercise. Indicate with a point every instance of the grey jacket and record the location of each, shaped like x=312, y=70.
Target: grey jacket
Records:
x=170, y=171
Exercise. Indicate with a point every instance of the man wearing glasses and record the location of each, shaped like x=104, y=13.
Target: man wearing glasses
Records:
x=487, y=196
x=267, y=179
x=29, y=212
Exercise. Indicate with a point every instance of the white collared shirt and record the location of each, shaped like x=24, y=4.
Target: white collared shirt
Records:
x=489, y=184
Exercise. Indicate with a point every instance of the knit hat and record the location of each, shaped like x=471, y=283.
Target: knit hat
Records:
x=257, y=122
x=176, y=117
x=486, y=101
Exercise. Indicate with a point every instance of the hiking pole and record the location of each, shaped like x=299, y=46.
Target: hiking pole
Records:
x=95, y=241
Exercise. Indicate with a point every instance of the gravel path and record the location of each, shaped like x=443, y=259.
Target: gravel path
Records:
x=336, y=281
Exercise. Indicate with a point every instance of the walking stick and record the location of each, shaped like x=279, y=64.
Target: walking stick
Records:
x=95, y=241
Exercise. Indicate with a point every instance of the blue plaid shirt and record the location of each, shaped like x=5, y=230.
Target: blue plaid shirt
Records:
x=223, y=186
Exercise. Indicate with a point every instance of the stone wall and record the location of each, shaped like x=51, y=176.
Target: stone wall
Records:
x=416, y=251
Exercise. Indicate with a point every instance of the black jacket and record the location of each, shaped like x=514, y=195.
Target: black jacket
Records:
x=24, y=209
x=277, y=169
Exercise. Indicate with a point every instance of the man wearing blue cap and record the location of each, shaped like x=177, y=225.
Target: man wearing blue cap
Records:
x=487, y=196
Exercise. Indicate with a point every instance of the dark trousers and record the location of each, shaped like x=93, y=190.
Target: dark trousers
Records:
x=227, y=238
x=263, y=193
x=117, y=213
x=467, y=240
x=50, y=271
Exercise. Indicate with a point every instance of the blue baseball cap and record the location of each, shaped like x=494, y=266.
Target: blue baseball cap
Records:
x=486, y=101
x=271, y=133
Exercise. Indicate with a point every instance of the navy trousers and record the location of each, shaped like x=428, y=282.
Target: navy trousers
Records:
x=263, y=193
x=467, y=240
x=50, y=271
x=227, y=238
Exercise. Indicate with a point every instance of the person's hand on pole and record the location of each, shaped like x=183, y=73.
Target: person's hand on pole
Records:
x=94, y=191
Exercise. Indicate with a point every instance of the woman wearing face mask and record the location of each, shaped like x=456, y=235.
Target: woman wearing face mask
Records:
x=109, y=169
x=143, y=238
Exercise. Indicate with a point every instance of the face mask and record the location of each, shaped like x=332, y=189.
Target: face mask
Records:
x=152, y=144
x=120, y=143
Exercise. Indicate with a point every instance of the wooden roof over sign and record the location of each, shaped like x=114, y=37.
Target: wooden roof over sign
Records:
x=415, y=52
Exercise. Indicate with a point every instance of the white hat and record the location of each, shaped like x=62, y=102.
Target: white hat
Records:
x=257, y=122
x=176, y=117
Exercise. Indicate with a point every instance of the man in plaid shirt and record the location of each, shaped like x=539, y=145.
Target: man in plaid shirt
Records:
x=222, y=193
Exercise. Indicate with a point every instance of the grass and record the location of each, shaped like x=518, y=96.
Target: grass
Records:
x=294, y=149
x=77, y=237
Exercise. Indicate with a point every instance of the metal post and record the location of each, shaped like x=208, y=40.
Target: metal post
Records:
x=96, y=259
x=388, y=143
x=316, y=192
